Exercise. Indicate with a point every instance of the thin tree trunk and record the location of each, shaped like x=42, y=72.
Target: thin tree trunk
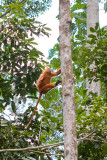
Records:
x=69, y=117
x=92, y=19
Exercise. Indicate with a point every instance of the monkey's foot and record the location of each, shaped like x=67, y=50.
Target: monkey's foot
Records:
x=58, y=82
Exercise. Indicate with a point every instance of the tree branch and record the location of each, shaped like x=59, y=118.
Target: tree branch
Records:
x=95, y=140
x=32, y=148
x=90, y=139
x=47, y=146
x=40, y=132
x=48, y=153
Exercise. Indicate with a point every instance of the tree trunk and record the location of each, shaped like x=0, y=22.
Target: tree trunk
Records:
x=69, y=117
x=92, y=19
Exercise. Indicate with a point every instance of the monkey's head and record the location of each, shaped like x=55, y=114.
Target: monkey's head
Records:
x=49, y=70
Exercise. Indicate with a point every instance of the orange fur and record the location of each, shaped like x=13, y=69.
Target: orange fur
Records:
x=44, y=85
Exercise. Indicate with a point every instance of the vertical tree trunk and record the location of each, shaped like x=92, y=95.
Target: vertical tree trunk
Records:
x=92, y=19
x=69, y=117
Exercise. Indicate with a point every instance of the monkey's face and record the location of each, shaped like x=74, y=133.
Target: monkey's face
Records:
x=49, y=70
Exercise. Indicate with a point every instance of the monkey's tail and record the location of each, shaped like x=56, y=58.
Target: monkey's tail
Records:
x=34, y=111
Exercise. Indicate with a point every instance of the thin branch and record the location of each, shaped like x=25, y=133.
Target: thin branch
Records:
x=47, y=146
x=49, y=158
x=95, y=140
x=40, y=131
x=90, y=139
x=54, y=145
x=85, y=136
x=47, y=153
x=32, y=148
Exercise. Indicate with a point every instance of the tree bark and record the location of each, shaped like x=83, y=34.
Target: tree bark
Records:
x=92, y=19
x=69, y=117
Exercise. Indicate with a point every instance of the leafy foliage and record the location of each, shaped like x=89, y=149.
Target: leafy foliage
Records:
x=29, y=8
x=20, y=61
x=97, y=54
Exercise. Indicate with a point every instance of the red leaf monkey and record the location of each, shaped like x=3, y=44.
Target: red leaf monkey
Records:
x=44, y=85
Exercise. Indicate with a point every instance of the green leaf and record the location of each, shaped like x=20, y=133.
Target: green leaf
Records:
x=96, y=26
x=13, y=106
x=92, y=36
x=92, y=29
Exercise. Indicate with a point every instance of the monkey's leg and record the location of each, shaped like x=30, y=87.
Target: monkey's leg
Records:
x=49, y=86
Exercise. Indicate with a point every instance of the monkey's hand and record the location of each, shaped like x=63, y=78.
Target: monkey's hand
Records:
x=58, y=82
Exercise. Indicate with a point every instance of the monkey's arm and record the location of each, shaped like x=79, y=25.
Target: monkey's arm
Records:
x=56, y=73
